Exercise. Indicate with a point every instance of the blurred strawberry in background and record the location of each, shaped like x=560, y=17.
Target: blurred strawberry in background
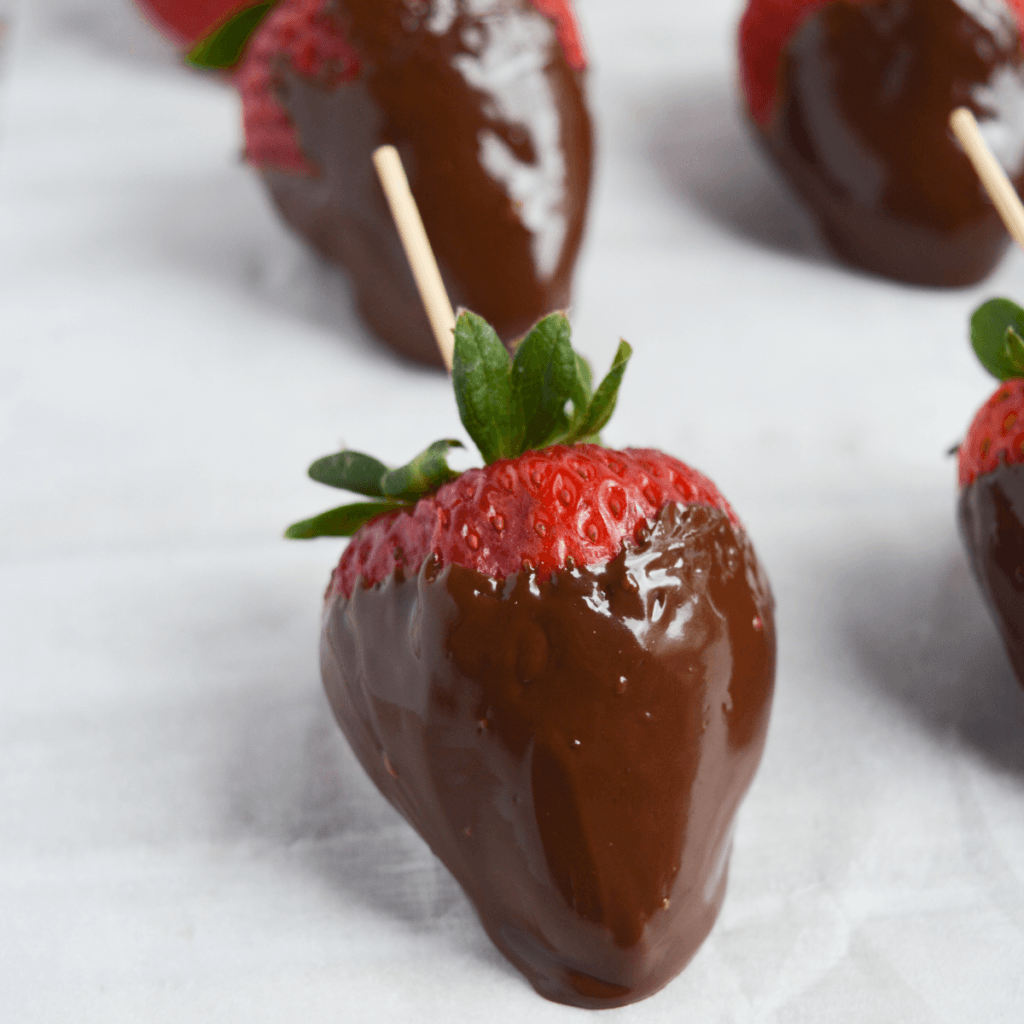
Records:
x=188, y=21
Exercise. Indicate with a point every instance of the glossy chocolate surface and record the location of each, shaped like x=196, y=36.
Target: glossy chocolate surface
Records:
x=574, y=751
x=493, y=130
x=992, y=526
x=860, y=130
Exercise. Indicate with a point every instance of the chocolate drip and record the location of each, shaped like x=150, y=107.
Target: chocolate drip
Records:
x=575, y=750
x=860, y=129
x=492, y=127
x=992, y=527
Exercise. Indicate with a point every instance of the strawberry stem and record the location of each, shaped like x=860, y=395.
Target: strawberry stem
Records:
x=508, y=407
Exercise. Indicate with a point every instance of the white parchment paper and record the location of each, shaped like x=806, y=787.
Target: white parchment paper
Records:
x=184, y=836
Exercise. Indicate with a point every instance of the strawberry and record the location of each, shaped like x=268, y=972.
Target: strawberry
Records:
x=991, y=471
x=485, y=102
x=188, y=21
x=558, y=667
x=852, y=98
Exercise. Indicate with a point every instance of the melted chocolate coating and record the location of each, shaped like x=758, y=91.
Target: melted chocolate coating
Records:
x=575, y=750
x=992, y=527
x=860, y=130
x=493, y=130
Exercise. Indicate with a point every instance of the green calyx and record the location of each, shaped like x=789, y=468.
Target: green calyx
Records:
x=363, y=474
x=997, y=336
x=512, y=406
x=542, y=396
x=224, y=47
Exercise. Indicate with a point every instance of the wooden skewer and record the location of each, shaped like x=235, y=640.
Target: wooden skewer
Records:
x=998, y=186
x=417, y=249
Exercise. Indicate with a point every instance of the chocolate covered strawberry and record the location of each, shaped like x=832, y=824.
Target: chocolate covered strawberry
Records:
x=558, y=667
x=485, y=102
x=852, y=100
x=991, y=461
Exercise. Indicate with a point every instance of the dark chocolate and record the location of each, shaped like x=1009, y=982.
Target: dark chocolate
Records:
x=992, y=526
x=573, y=750
x=493, y=130
x=860, y=129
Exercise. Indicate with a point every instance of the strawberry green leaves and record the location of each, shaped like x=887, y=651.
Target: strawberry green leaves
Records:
x=602, y=405
x=543, y=396
x=997, y=335
x=225, y=45
x=512, y=407
x=483, y=388
x=362, y=474
x=545, y=375
x=422, y=476
x=350, y=471
x=340, y=522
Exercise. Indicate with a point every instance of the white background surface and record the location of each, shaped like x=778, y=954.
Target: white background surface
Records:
x=184, y=835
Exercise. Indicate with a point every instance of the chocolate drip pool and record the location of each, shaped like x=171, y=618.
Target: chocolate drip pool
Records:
x=860, y=129
x=573, y=750
x=992, y=526
x=493, y=130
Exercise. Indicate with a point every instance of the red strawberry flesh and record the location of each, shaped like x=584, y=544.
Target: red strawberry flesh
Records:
x=991, y=511
x=997, y=434
x=188, y=21
x=561, y=12
x=579, y=503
